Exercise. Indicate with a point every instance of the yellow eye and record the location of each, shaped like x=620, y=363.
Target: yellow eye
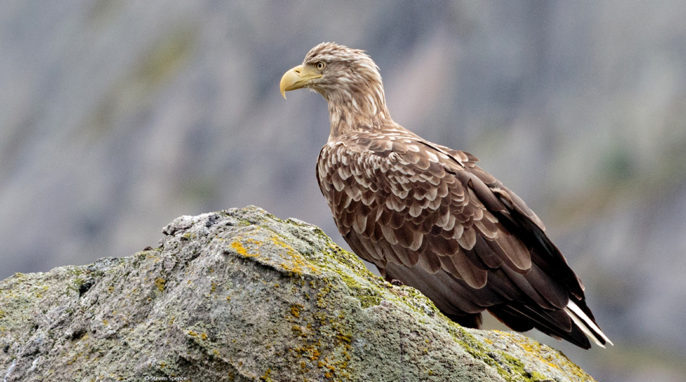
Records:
x=321, y=65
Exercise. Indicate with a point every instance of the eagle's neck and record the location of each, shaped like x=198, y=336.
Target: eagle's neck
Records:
x=357, y=109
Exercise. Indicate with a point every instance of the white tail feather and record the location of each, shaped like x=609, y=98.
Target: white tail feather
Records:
x=590, y=329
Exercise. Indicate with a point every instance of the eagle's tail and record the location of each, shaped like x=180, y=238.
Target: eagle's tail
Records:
x=586, y=324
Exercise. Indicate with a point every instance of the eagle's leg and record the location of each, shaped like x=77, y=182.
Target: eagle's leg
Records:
x=387, y=277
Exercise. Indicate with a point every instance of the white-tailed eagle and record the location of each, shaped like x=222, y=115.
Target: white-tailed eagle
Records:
x=428, y=216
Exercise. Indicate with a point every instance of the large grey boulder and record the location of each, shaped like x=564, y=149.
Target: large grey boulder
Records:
x=241, y=295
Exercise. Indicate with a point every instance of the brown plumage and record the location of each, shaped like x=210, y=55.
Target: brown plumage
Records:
x=428, y=216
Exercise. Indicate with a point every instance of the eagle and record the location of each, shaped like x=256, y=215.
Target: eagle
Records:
x=429, y=217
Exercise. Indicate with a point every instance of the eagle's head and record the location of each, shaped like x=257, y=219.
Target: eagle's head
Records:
x=347, y=78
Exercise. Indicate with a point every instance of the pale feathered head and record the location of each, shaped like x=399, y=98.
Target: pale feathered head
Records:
x=347, y=78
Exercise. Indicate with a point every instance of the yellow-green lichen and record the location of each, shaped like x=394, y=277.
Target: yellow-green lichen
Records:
x=195, y=334
x=508, y=366
x=534, y=348
x=357, y=281
x=295, y=310
x=266, y=376
x=295, y=263
x=241, y=250
x=160, y=283
x=472, y=346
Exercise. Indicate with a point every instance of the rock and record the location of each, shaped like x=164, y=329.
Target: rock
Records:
x=241, y=295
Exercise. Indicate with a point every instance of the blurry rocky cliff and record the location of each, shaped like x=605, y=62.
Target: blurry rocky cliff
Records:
x=115, y=117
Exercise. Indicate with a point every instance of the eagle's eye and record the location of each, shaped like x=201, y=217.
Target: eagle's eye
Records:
x=321, y=65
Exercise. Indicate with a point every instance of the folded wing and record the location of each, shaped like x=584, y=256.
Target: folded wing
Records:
x=428, y=216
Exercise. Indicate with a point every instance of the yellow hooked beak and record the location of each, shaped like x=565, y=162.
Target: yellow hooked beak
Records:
x=297, y=78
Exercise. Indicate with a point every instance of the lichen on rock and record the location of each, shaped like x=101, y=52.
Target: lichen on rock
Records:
x=240, y=295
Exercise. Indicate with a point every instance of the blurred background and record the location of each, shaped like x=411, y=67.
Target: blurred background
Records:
x=118, y=116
